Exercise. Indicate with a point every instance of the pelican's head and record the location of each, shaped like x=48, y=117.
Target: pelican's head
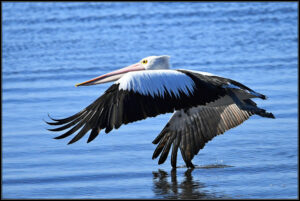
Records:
x=148, y=63
x=156, y=62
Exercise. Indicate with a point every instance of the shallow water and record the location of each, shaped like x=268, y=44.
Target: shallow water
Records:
x=49, y=47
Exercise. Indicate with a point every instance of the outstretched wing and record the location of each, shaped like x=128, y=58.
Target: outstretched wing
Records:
x=191, y=129
x=139, y=95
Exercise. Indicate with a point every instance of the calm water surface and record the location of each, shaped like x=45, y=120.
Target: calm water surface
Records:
x=49, y=47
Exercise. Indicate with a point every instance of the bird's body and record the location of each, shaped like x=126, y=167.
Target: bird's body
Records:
x=204, y=105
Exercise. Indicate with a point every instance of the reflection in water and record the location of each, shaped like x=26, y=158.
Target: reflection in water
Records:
x=187, y=189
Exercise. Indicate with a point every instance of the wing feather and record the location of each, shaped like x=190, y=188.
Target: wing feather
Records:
x=140, y=95
x=192, y=129
x=135, y=100
x=175, y=149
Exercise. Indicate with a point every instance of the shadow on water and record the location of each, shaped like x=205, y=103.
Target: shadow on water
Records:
x=167, y=186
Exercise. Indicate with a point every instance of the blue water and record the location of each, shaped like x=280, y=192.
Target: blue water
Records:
x=49, y=47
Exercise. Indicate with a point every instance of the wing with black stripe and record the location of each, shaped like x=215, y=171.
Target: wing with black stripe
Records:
x=133, y=98
x=189, y=130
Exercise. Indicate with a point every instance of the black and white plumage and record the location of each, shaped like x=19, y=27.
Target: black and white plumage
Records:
x=204, y=106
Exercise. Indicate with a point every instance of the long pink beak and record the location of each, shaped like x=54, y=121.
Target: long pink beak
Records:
x=112, y=76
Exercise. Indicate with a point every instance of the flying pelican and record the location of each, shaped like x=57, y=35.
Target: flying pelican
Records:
x=203, y=105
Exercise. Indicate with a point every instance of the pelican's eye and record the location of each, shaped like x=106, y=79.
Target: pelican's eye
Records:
x=144, y=61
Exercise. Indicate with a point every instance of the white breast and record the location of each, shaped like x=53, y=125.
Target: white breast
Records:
x=156, y=82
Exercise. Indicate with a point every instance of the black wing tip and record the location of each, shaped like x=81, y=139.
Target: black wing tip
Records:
x=264, y=97
x=51, y=129
x=108, y=129
x=75, y=139
x=53, y=119
x=94, y=133
x=154, y=156
x=49, y=123
x=258, y=95
x=157, y=151
x=90, y=139
x=160, y=135
x=59, y=137
x=163, y=157
x=266, y=114
x=54, y=123
x=271, y=115
x=161, y=161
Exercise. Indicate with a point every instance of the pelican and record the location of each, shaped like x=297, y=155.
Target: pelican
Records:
x=204, y=105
